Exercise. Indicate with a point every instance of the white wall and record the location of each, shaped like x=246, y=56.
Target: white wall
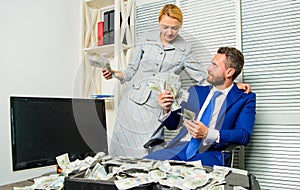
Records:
x=39, y=56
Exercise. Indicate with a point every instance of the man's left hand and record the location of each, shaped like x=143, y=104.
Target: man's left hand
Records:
x=196, y=129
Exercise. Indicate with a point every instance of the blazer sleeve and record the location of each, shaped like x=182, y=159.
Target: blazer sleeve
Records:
x=244, y=115
x=193, y=104
x=133, y=66
x=173, y=121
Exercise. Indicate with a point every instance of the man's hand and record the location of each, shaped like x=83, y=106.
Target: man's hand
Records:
x=244, y=86
x=196, y=129
x=165, y=100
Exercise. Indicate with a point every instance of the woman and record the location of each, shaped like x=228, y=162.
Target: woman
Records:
x=157, y=55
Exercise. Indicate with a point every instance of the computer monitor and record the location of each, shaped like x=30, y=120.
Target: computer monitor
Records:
x=43, y=128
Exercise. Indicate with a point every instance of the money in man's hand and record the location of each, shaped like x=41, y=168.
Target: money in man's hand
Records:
x=187, y=114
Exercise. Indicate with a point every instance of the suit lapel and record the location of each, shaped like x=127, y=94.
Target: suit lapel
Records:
x=199, y=99
x=233, y=95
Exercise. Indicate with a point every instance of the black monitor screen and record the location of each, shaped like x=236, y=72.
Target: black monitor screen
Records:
x=43, y=128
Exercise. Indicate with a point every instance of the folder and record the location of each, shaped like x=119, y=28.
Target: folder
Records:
x=111, y=27
x=100, y=33
x=106, y=28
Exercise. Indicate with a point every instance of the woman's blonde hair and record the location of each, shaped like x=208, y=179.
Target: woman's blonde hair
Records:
x=172, y=11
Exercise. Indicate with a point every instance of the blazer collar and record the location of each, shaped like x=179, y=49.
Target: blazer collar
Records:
x=233, y=95
x=178, y=43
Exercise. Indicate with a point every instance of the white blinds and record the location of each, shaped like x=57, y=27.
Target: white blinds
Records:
x=207, y=30
x=271, y=45
x=209, y=25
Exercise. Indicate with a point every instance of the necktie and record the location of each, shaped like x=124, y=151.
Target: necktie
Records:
x=194, y=144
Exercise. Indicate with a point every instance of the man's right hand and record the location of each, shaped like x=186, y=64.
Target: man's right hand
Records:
x=165, y=100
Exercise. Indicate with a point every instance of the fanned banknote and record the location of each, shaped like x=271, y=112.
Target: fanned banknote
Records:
x=102, y=62
x=187, y=114
x=171, y=83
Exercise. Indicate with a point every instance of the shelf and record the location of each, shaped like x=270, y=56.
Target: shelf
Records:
x=105, y=49
x=97, y=4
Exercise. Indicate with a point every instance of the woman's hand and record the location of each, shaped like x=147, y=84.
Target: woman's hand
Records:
x=106, y=74
x=244, y=86
x=165, y=100
x=109, y=75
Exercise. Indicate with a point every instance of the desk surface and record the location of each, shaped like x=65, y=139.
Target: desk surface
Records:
x=18, y=184
x=232, y=179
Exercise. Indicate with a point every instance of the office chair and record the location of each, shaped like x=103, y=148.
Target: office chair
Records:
x=228, y=155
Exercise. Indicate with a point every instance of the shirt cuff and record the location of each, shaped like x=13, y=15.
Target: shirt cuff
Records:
x=213, y=135
x=162, y=117
x=123, y=80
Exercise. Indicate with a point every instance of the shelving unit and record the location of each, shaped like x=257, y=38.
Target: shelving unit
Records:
x=119, y=53
x=94, y=83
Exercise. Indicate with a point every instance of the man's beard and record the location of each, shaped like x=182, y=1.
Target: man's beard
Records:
x=215, y=81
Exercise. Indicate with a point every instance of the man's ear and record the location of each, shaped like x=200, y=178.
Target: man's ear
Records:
x=230, y=72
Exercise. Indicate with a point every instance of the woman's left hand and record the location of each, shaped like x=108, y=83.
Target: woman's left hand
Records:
x=244, y=86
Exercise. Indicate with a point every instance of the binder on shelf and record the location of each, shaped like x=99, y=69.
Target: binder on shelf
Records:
x=106, y=28
x=100, y=33
x=111, y=27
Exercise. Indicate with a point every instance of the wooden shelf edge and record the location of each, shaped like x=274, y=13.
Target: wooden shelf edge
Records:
x=97, y=4
x=105, y=49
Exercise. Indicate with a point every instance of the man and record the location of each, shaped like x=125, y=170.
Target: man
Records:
x=231, y=121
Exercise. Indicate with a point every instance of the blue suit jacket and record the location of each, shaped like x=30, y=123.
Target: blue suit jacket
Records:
x=235, y=120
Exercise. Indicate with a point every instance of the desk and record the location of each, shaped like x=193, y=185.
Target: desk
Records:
x=17, y=184
x=236, y=179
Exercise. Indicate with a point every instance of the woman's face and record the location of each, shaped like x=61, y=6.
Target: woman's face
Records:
x=169, y=28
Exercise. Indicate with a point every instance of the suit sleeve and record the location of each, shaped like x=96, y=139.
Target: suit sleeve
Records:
x=244, y=123
x=174, y=120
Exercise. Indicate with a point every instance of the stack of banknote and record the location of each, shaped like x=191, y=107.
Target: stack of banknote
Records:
x=127, y=172
x=171, y=83
x=132, y=172
x=102, y=62
x=56, y=181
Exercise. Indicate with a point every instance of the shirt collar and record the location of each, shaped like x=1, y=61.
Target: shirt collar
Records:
x=224, y=91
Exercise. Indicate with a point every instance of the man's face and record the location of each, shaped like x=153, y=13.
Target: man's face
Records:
x=169, y=28
x=217, y=70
